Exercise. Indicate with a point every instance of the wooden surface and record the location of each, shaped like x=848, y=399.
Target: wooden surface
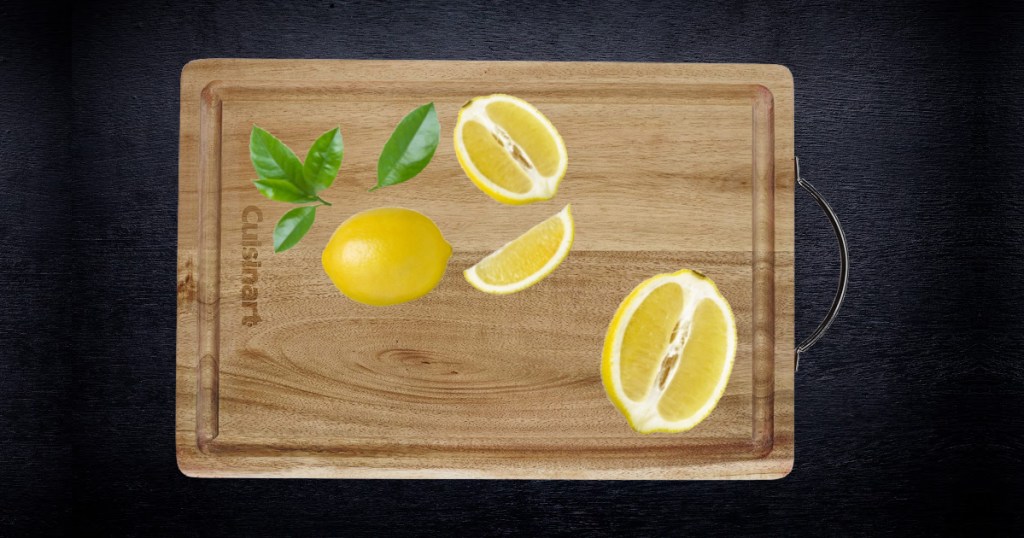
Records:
x=671, y=166
x=907, y=420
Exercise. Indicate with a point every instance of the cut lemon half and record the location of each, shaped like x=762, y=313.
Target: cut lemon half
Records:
x=669, y=352
x=509, y=149
x=527, y=259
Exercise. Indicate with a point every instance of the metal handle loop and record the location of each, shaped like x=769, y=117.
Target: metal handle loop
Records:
x=844, y=267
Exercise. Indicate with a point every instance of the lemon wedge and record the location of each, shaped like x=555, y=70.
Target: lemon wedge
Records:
x=669, y=352
x=509, y=149
x=527, y=259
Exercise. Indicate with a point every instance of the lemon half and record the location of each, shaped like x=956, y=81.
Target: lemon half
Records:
x=509, y=149
x=527, y=259
x=669, y=352
x=386, y=256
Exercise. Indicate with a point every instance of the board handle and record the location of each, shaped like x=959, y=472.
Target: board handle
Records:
x=844, y=267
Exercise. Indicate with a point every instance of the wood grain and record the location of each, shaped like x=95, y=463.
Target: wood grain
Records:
x=670, y=166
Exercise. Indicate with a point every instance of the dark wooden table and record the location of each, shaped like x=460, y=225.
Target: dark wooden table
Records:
x=909, y=119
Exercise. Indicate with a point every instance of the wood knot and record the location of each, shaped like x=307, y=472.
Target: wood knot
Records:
x=419, y=362
x=186, y=284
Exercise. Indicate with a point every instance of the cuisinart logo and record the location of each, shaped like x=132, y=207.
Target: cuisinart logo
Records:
x=251, y=217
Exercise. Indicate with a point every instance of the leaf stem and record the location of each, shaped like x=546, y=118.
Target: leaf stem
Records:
x=324, y=202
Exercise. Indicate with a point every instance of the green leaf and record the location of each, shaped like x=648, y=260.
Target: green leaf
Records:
x=324, y=160
x=274, y=160
x=410, y=147
x=282, y=190
x=292, y=226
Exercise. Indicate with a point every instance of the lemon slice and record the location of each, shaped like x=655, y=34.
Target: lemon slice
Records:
x=527, y=259
x=509, y=149
x=669, y=352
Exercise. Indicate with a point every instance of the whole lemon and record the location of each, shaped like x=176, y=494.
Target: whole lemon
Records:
x=386, y=256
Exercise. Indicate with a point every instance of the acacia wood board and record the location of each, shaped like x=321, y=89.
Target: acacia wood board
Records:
x=670, y=166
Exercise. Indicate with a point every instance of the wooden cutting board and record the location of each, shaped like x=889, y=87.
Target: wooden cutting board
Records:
x=670, y=166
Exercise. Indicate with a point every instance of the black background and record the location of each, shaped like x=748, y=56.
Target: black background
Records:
x=909, y=118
